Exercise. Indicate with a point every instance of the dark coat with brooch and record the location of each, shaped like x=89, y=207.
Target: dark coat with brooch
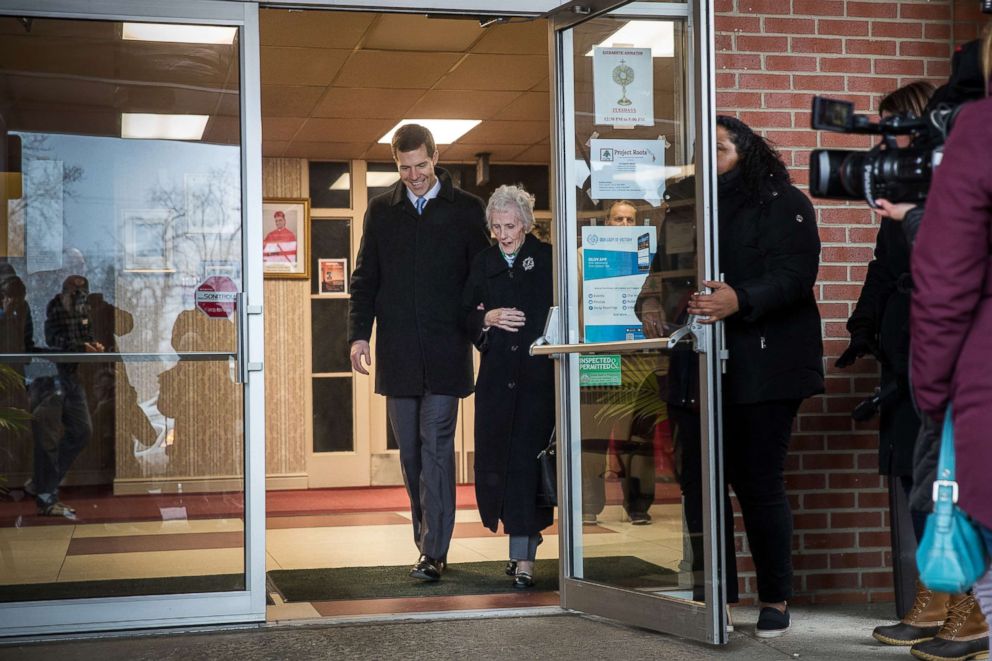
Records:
x=770, y=254
x=408, y=278
x=515, y=392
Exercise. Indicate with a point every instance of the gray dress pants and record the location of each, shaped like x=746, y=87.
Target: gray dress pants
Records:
x=424, y=428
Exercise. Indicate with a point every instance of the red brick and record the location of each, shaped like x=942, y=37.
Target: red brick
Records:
x=828, y=500
x=852, y=441
x=723, y=42
x=830, y=310
x=902, y=66
x=937, y=31
x=801, y=26
x=829, y=540
x=939, y=69
x=925, y=49
x=846, y=215
x=862, y=234
x=846, y=28
x=762, y=81
x=810, y=520
x=759, y=44
x=726, y=80
x=846, y=141
x=845, y=254
x=832, y=235
x=819, y=84
x=873, y=499
x=767, y=119
x=876, y=579
x=869, y=47
x=872, y=9
x=859, y=273
x=827, y=423
x=738, y=99
x=845, y=65
x=795, y=139
x=870, y=461
x=871, y=84
x=868, y=539
x=763, y=6
x=928, y=11
x=808, y=561
x=854, y=481
x=805, y=481
x=789, y=63
x=832, y=581
x=864, y=560
x=787, y=100
x=856, y=520
x=738, y=24
x=818, y=7
x=841, y=292
x=833, y=274
x=817, y=45
x=897, y=29
x=739, y=61
x=846, y=405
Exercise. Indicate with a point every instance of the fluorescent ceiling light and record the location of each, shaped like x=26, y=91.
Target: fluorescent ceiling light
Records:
x=146, y=126
x=372, y=180
x=176, y=33
x=659, y=36
x=445, y=131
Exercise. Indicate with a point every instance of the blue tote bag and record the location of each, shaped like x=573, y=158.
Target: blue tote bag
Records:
x=951, y=556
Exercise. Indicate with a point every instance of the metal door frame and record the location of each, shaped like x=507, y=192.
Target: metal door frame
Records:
x=62, y=616
x=705, y=622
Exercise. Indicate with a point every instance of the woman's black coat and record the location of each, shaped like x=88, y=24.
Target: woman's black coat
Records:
x=770, y=254
x=408, y=278
x=881, y=318
x=515, y=392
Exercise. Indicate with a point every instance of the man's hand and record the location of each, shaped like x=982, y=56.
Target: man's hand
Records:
x=896, y=212
x=93, y=347
x=860, y=346
x=720, y=304
x=652, y=318
x=360, y=349
x=508, y=319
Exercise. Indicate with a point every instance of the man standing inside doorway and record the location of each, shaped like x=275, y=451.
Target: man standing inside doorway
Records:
x=418, y=243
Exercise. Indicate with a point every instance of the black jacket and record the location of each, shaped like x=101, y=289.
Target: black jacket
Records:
x=408, y=278
x=881, y=317
x=515, y=393
x=769, y=254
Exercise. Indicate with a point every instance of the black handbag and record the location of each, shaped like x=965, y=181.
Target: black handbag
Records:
x=547, y=466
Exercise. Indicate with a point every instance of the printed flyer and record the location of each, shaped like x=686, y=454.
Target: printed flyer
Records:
x=615, y=263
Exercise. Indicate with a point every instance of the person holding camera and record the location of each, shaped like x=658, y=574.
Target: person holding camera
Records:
x=951, y=333
x=769, y=253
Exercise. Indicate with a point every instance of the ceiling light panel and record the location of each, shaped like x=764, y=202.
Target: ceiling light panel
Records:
x=147, y=126
x=659, y=36
x=445, y=131
x=178, y=33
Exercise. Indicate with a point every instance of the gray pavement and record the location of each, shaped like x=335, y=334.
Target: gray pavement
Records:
x=818, y=632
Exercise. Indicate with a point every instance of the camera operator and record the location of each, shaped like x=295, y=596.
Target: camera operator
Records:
x=879, y=326
x=951, y=327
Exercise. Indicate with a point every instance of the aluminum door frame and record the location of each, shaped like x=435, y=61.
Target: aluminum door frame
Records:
x=202, y=608
x=704, y=622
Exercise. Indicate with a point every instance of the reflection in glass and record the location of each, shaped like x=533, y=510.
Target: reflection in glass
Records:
x=639, y=413
x=104, y=241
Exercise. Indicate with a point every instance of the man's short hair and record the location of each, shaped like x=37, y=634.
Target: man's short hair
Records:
x=279, y=213
x=410, y=137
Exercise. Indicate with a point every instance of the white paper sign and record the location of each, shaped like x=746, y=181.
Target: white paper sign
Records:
x=624, y=169
x=623, y=84
x=615, y=263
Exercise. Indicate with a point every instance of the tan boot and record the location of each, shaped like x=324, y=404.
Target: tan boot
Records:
x=921, y=623
x=965, y=634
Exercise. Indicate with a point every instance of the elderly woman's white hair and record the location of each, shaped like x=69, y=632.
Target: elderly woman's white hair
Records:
x=511, y=198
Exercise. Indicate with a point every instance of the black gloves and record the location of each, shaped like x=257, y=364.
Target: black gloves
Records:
x=861, y=345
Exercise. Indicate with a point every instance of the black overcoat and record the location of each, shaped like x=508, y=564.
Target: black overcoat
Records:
x=769, y=254
x=515, y=392
x=409, y=276
x=882, y=316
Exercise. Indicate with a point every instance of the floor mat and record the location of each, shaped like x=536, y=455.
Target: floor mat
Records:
x=132, y=587
x=465, y=578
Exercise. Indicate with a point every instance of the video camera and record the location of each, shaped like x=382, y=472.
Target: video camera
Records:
x=898, y=174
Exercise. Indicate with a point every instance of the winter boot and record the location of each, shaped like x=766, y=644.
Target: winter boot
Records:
x=965, y=634
x=922, y=622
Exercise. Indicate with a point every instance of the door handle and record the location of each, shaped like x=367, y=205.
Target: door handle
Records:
x=241, y=354
x=693, y=331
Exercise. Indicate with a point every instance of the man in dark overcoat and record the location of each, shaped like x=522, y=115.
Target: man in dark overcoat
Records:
x=419, y=241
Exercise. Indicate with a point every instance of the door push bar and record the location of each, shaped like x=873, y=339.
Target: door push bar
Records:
x=547, y=344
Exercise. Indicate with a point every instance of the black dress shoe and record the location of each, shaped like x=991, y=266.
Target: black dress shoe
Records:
x=511, y=568
x=522, y=580
x=428, y=569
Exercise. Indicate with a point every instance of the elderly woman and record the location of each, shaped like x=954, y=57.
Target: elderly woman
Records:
x=506, y=299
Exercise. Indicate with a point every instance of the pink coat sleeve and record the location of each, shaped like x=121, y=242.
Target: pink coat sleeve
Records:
x=951, y=257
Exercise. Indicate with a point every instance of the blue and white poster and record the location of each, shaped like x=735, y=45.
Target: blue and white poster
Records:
x=615, y=263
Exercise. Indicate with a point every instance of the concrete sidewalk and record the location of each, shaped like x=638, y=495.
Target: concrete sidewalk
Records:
x=818, y=632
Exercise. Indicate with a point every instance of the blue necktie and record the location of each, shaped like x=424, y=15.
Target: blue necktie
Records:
x=421, y=202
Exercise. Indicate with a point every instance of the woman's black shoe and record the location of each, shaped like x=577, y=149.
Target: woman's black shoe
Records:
x=523, y=580
x=772, y=622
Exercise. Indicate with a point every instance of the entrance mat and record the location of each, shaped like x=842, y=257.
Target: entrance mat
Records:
x=464, y=578
x=132, y=587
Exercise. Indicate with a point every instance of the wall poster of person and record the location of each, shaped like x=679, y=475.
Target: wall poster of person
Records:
x=285, y=242
x=333, y=276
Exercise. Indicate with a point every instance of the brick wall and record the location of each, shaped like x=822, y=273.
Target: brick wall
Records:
x=773, y=57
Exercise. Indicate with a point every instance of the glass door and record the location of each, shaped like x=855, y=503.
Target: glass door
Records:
x=641, y=490
x=131, y=491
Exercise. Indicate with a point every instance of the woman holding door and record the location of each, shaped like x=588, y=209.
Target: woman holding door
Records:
x=769, y=255
x=507, y=296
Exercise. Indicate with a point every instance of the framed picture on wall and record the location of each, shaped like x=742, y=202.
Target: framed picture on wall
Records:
x=333, y=277
x=148, y=240
x=286, y=238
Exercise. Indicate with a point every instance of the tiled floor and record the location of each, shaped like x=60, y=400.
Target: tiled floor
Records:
x=81, y=551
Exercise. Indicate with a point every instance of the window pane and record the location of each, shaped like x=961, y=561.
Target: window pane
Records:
x=332, y=425
x=330, y=185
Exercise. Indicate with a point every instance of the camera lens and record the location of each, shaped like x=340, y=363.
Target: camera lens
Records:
x=836, y=174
